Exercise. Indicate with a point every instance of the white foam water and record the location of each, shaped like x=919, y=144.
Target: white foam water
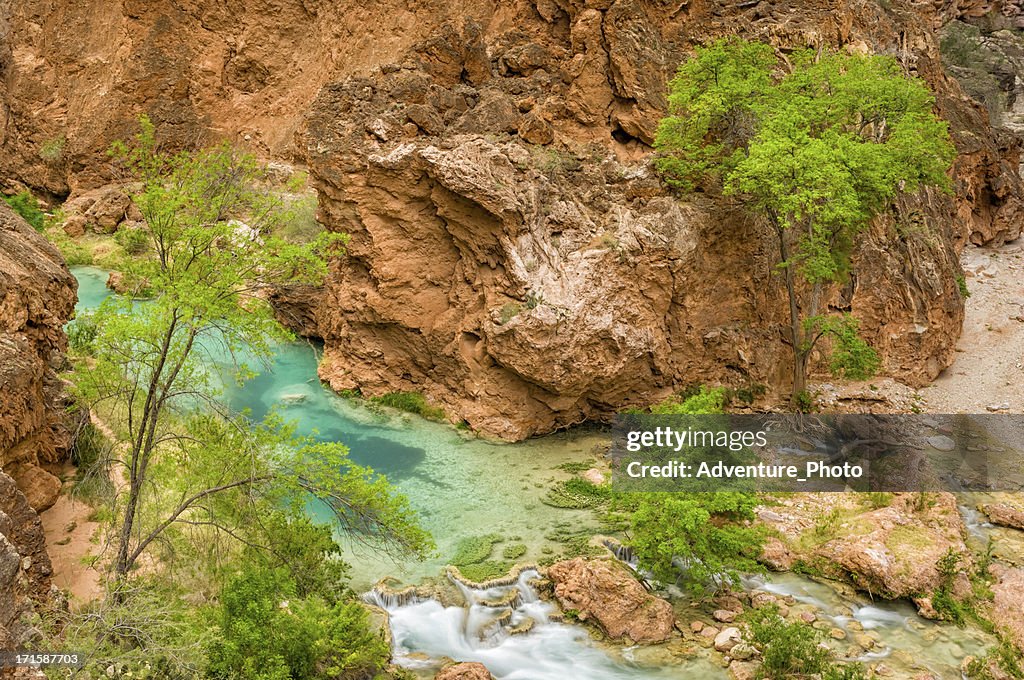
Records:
x=479, y=631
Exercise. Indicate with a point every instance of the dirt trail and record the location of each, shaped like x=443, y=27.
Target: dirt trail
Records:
x=988, y=373
x=71, y=538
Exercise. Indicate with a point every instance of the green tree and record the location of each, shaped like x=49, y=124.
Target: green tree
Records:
x=819, y=144
x=187, y=460
x=694, y=537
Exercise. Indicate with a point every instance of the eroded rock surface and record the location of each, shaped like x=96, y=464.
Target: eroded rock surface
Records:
x=513, y=257
x=470, y=670
x=37, y=297
x=607, y=593
x=24, y=565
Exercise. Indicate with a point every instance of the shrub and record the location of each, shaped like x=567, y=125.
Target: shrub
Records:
x=82, y=332
x=509, y=311
x=134, y=241
x=787, y=649
x=26, y=205
x=266, y=633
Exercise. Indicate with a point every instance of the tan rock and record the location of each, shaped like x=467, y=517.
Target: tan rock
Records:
x=727, y=639
x=470, y=670
x=724, y=615
x=1005, y=515
x=606, y=592
x=1008, y=602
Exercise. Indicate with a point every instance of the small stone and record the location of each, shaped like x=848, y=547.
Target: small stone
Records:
x=941, y=443
x=26, y=563
x=837, y=634
x=743, y=651
x=696, y=626
x=724, y=615
x=709, y=632
x=1004, y=406
x=727, y=639
x=808, y=617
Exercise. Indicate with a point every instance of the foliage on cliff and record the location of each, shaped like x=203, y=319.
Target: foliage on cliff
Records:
x=818, y=143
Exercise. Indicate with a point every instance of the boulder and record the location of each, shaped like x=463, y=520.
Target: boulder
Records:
x=608, y=593
x=1007, y=611
x=1005, y=515
x=468, y=670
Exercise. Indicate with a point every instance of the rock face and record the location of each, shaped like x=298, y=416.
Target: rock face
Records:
x=1008, y=604
x=24, y=565
x=512, y=255
x=470, y=670
x=514, y=258
x=603, y=590
x=37, y=297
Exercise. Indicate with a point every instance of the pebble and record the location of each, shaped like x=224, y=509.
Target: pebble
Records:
x=941, y=443
x=1005, y=406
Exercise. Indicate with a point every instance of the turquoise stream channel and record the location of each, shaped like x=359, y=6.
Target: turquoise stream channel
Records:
x=463, y=487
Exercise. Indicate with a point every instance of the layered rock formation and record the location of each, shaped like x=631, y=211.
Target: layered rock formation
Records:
x=512, y=255
x=514, y=258
x=37, y=297
x=24, y=565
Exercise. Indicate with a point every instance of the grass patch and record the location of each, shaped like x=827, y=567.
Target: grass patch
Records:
x=410, y=402
x=509, y=311
x=26, y=205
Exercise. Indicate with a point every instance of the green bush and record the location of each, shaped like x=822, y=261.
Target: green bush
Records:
x=82, y=332
x=26, y=205
x=788, y=650
x=267, y=632
x=134, y=241
x=705, y=400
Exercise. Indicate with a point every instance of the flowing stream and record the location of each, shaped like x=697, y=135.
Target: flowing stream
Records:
x=463, y=487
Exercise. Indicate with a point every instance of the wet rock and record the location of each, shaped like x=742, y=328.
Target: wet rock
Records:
x=470, y=670
x=808, y=617
x=605, y=591
x=727, y=639
x=837, y=634
x=696, y=626
x=594, y=476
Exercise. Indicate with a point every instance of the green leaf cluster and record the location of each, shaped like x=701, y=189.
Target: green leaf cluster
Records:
x=26, y=205
x=268, y=631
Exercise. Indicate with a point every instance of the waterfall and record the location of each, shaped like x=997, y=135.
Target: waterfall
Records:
x=506, y=626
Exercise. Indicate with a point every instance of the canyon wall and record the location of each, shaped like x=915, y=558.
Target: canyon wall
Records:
x=513, y=256
x=37, y=296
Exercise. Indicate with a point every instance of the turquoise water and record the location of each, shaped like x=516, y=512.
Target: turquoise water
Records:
x=461, y=486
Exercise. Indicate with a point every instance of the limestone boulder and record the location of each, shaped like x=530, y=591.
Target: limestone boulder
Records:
x=605, y=592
